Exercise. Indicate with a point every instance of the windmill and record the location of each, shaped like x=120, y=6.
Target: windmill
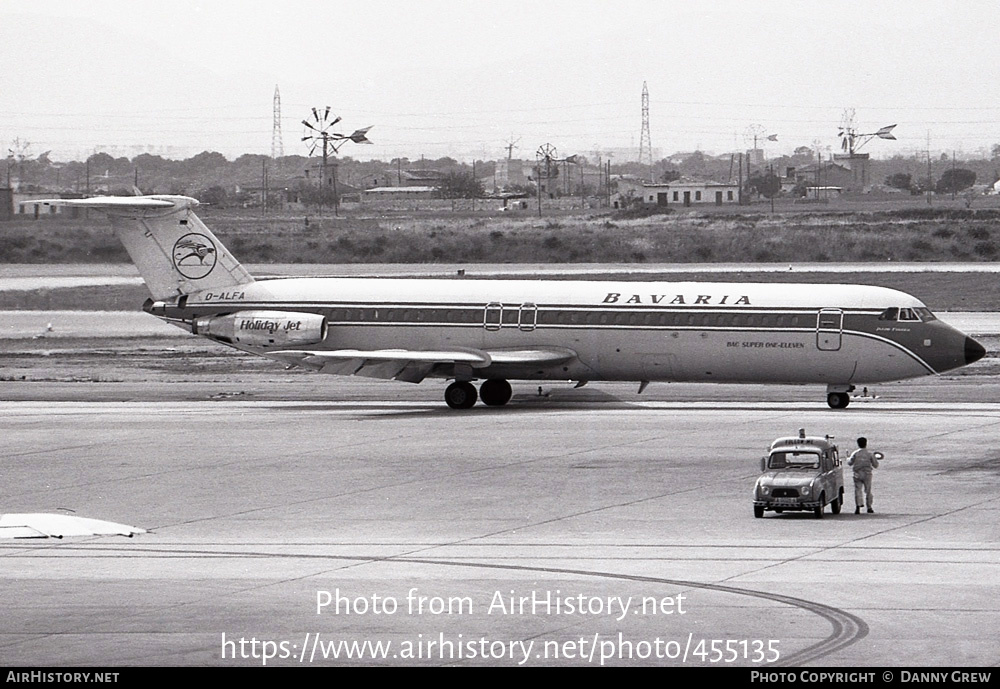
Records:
x=851, y=140
x=546, y=155
x=318, y=135
x=19, y=152
x=545, y=158
x=511, y=145
x=754, y=134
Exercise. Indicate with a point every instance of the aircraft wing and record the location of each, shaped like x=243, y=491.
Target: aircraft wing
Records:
x=41, y=525
x=412, y=365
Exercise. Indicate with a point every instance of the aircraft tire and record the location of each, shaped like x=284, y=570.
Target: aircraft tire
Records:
x=460, y=395
x=838, y=400
x=495, y=392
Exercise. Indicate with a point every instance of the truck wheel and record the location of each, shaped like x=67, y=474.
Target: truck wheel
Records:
x=758, y=511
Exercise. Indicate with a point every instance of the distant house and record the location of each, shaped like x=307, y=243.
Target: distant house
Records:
x=850, y=173
x=421, y=178
x=404, y=192
x=510, y=172
x=685, y=192
x=23, y=204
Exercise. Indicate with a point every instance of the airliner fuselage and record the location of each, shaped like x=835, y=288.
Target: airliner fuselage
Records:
x=838, y=335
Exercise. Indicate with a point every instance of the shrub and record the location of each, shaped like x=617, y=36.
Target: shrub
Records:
x=985, y=249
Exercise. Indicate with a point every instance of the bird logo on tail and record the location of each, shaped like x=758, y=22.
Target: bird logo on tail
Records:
x=194, y=256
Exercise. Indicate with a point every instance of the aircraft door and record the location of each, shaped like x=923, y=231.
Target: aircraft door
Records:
x=493, y=316
x=829, y=329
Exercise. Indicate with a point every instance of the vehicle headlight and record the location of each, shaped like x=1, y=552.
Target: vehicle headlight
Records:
x=804, y=490
x=765, y=490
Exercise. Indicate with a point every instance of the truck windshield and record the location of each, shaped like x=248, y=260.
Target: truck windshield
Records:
x=793, y=460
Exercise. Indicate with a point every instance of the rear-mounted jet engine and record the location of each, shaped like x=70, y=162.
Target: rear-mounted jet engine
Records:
x=265, y=329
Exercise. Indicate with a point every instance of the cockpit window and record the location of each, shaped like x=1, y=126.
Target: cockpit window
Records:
x=914, y=315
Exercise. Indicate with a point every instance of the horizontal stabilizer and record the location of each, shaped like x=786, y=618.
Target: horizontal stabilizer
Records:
x=111, y=204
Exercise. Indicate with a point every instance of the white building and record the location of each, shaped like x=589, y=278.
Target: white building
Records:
x=684, y=192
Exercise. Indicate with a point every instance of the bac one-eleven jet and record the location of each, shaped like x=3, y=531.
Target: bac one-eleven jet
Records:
x=495, y=331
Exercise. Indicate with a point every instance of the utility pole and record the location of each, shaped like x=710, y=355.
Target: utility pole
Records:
x=739, y=192
x=263, y=187
x=953, y=185
x=930, y=180
x=607, y=187
x=538, y=188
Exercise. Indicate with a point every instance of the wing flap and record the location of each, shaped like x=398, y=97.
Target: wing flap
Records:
x=473, y=357
x=413, y=365
x=407, y=365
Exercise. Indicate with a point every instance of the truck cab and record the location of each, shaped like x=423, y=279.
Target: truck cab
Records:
x=800, y=473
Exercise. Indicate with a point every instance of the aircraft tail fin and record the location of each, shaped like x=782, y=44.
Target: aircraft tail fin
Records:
x=175, y=252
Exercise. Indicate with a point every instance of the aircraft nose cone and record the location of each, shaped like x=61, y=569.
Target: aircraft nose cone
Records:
x=973, y=351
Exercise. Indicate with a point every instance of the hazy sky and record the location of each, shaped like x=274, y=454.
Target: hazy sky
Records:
x=442, y=77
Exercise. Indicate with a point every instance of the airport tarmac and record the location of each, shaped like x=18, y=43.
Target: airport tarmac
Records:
x=471, y=538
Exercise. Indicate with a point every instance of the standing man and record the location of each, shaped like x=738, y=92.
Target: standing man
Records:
x=864, y=463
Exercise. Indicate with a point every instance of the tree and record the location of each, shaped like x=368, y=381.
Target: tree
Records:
x=214, y=196
x=460, y=185
x=954, y=180
x=900, y=180
x=767, y=185
x=312, y=195
x=670, y=176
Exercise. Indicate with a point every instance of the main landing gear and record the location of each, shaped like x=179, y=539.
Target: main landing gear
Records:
x=838, y=400
x=494, y=392
x=838, y=397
